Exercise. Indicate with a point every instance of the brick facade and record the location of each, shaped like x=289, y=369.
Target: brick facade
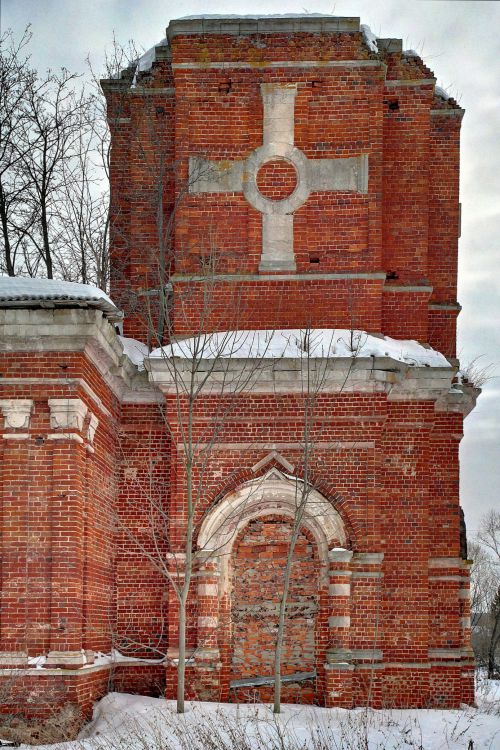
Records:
x=326, y=196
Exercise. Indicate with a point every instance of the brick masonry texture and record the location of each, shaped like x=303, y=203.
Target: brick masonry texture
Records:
x=276, y=179
x=258, y=569
x=377, y=605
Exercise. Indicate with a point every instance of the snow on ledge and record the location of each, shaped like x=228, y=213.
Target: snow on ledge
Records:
x=135, y=350
x=370, y=38
x=115, y=657
x=20, y=291
x=99, y=660
x=300, y=344
x=37, y=662
x=253, y=17
x=145, y=62
x=442, y=93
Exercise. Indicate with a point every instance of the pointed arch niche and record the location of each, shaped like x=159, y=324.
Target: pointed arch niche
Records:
x=274, y=493
x=234, y=524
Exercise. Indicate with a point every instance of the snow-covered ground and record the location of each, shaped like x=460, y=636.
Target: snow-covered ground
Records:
x=130, y=722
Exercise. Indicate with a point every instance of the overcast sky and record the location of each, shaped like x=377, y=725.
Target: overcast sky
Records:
x=460, y=42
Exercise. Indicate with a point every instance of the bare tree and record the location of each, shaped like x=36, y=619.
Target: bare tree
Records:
x=16, y=79
x=489, y=534
x=194, y=374
x=485, y=591
x=83, y=206
x=493, y=667
x=482, y=581
x=54, y=197
x=206, y=371
x=314, y=373
x=489, y=538
x=86, y=208
x=50, y=147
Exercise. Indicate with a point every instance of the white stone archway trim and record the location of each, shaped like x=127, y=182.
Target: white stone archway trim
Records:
x=272, y=494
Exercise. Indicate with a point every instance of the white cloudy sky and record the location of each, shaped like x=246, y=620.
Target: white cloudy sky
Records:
x=460, y=41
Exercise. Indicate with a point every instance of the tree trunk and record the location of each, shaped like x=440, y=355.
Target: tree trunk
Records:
x=297, y=523
x=46, y=242
x=181, y=667
x=9, y=265
x=492, y=649
x=280, y=636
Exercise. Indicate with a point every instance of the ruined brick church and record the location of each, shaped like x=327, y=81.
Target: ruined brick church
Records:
x=291, y=179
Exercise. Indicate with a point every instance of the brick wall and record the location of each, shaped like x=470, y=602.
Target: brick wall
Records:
x=94, y=520
x=197, y=104
x=258, y=568
x=57, y=549
x=389, y=468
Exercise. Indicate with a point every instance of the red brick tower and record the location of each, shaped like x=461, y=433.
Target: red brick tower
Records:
x=299, y=175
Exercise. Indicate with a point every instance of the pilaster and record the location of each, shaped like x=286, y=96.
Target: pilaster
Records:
x=15, y=449
x=338, y=667
x=176, y=566
x=208, y=611
x=468, y=661
x=68, y=503
x=207, y=660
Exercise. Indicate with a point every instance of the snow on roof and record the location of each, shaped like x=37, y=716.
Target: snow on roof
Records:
x=255, y=17
x=297, y=343
x=19, y=291
x=370, y=38
x=147, y=59
x=439, y=91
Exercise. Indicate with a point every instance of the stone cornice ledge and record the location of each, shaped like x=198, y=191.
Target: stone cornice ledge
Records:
x=87, y=331
x=400, y=381
x=460, y=398
x=279, y=24
x=77, y=330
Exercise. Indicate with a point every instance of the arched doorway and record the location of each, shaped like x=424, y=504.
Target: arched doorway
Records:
x=257, y=572
x=248, y=534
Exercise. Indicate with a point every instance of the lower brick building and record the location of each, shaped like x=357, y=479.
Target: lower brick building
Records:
x=280, y=350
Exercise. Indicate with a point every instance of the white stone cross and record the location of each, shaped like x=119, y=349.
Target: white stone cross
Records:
x=207, y=176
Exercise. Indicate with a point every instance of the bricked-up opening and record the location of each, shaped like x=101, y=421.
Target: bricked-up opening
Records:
x=258, y=565
x=277, y=179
